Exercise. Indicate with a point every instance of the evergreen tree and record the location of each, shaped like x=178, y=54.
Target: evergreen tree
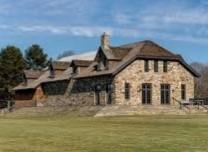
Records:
x=35, y=57
x=11, y=66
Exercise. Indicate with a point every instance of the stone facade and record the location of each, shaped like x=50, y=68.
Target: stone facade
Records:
x=134, y=75
x=83, y=91
x=117, y=76
x=87, y=91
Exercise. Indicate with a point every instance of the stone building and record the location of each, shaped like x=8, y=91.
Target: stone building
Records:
x=133, y=74
x=141, y=73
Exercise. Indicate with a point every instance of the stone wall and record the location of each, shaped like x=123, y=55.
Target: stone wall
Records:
x=83, y=91
x=55, y=87
x=135, y=75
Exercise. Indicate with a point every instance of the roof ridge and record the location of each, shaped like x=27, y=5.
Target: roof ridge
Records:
x=130, y=44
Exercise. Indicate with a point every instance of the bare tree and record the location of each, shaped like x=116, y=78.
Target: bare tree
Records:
x=65, y=54
x=201, y=84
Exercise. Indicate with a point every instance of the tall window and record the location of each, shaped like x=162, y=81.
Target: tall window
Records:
x=183, y=92
x=165, y=94
x=156, y=65
x=165, y=66
x=146, y=66
x=127, y=91
x=146, y=93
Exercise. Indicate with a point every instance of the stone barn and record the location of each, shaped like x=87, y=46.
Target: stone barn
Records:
x=141, y=73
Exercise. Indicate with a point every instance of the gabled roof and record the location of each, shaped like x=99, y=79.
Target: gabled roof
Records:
x=63, y=65
x=114, y=53
x=31, y=85
x=130, y=52
x=44, y=78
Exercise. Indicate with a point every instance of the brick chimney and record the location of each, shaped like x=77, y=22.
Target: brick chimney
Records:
x=105, y=40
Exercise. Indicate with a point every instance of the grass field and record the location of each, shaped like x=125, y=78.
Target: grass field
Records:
x=65, y=133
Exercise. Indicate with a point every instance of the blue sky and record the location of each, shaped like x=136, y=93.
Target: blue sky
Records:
x=60, y=25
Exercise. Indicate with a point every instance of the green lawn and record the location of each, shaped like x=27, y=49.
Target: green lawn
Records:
x=65, y=133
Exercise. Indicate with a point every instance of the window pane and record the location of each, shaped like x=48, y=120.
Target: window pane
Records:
x=143, y=96
x=127, y=91
x=165, y=94
x=183, y=92
x=146, y=66
x=156, y=65
x=146, y=93
x=165, y=66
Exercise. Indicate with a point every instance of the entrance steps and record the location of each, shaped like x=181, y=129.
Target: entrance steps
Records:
x=122, y=110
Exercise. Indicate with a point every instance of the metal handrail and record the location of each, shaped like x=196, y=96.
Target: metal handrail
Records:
x=181, y=104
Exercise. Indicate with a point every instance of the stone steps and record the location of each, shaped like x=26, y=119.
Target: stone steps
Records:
x=195, y=110
x=117, y=110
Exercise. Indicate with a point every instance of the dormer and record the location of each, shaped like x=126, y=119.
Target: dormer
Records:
x=30, y=75
x=57, y=68
x=103, y=53
x=107, y=55
x=79, y=66
x=102, y=61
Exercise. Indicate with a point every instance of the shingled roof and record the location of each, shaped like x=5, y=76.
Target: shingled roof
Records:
x=115, y=53
x=44, y=76
x=60, y=65
x=81, y=63
x=32, y=74
x=126, y=54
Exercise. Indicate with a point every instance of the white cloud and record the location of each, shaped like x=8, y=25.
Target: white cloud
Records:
x=4, y=27
x=67, y=30
x=96, y=31
x=40, y=29
x=177, y=21
x=81, y=18
x=191, y=17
